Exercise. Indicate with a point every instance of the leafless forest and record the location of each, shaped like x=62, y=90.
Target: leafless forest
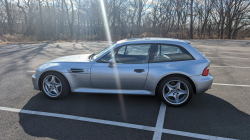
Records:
x=84, y=19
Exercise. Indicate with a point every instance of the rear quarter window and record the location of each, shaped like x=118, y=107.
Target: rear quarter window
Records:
x=169, y=53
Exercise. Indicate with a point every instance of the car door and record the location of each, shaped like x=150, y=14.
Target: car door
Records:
x=129, y=71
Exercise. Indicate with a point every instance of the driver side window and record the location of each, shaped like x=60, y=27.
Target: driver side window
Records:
x=133, y=54
x=130, y=54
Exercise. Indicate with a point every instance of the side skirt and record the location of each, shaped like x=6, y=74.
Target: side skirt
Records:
x=113, y=91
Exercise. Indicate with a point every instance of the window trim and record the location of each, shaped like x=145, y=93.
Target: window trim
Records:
x=126, y=50
x=180, y=47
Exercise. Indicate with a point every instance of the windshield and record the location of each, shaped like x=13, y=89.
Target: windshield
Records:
x=103, y=51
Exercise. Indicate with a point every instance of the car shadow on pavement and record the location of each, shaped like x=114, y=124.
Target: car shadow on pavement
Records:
x=142, y=110
x=210, y=115
x=205, y=114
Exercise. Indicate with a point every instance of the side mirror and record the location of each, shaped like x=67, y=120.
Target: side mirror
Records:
x=111, y=63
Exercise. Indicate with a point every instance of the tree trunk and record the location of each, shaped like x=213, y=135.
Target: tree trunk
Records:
x=41, y=19
x=25, y=15
x=191, y=20
x=10, y=25
x=70, y=23
x=72, y=19
x=78, y=22
x=62, y=18
x=139, y=18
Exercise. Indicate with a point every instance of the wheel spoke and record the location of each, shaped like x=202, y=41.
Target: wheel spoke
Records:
x=178, y=85
x=170, y=87
x=50, y=89
x=47, y=83
x=47, y=80
x=181, y=92
x=169, y=94
x=52, y=80
x=177, y=100
x=56, y=90
x=58, y=85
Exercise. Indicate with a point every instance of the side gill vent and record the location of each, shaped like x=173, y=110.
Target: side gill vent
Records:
x=75, y=70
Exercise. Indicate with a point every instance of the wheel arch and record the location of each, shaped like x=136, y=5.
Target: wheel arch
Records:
x=180, y=75
x=40, y=80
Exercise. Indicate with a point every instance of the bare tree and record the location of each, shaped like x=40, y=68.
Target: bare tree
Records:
x=82, y=19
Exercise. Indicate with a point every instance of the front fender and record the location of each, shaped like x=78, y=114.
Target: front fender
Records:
x=62, y=68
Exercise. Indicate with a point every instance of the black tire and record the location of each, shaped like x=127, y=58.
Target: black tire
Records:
x=65, y=89
x=175, y=78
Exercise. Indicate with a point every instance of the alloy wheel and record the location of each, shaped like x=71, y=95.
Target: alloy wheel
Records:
x=175, y=92
x=52, y=86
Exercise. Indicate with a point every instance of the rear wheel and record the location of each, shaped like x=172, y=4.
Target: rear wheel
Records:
x=175, y=91
x=54, y=85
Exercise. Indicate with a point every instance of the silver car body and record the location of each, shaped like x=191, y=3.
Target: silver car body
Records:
x=99, y=78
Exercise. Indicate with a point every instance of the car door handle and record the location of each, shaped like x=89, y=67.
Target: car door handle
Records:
x=139, y=70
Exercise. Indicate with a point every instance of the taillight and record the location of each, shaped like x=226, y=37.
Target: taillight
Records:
x=206, y=71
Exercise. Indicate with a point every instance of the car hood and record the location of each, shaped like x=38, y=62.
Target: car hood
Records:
x=72, y=58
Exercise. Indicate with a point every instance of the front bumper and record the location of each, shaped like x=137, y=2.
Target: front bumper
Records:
x=202, y=83
x=35, y=82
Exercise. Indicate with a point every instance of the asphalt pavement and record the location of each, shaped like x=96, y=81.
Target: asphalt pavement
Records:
x=221, y=112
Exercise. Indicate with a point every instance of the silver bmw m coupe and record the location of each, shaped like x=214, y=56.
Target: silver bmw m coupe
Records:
x=171, y=69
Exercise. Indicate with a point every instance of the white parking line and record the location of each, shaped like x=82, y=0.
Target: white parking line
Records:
x=114, y=123
x=229, y=57
x=72, y=117
x=194, y=135
x=205, y=52
x=32, y=71
x=160, y=122
x=235, y=85
x=230, y=67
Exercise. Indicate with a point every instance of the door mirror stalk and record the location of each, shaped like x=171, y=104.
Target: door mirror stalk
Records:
x=111, y=63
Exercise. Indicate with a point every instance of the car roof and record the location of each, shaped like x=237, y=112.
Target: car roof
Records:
x=151, y=39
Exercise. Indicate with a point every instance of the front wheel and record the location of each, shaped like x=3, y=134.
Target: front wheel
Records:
x=175, y=91
x=54, y=85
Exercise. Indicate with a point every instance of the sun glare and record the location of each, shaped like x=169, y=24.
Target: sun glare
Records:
x=104, y=15
x=117, y=78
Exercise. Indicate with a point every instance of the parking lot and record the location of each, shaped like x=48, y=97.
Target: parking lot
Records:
x=222, y=112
